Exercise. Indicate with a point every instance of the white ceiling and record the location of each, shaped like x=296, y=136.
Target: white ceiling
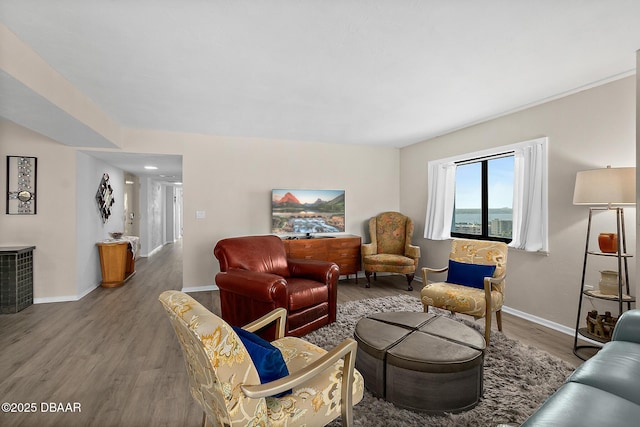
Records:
x=375, y=72
x=169, y=167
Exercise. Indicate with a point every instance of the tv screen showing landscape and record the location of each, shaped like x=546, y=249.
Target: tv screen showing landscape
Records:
x=307, y=211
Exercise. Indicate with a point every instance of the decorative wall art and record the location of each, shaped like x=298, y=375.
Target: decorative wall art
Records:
x=21, y=185
x=104, y=197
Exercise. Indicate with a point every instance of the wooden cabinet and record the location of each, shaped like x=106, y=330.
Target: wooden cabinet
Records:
x=116, y=262
x=346, y=253
x=343, y=250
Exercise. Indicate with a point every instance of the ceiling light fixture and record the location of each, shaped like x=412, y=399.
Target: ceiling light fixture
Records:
x=151, y=168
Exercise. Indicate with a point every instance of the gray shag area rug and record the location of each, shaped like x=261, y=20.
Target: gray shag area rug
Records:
x=517, y=377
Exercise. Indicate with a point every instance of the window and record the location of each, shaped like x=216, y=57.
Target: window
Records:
x=483, y=206
x=495, y=194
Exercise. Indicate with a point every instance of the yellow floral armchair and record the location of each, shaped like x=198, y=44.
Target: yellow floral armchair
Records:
x=478, y=301
x=226, y=384
x=390, y=249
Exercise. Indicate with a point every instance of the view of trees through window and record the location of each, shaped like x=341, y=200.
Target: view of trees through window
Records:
x=484, y=199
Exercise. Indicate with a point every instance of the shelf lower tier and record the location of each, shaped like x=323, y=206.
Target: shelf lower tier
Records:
x=585, y=333
x=609, y=254
x=597, y=294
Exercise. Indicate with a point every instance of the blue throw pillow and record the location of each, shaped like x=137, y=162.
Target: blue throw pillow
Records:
x=469, y=274
x=266, y=357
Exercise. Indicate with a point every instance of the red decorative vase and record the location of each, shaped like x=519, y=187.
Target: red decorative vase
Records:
x=608, y=242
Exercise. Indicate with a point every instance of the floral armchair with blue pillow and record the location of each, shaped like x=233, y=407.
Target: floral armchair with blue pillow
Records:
x=475, y=281
x=314, y=388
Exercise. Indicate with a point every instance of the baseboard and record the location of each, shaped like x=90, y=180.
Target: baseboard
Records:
x=201, y=288
x=548, y=324
x=157, y=249
x=47, y=300
x=541, y=321
x=68, y=298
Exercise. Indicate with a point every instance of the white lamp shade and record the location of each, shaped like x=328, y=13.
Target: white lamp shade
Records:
x=607, y=186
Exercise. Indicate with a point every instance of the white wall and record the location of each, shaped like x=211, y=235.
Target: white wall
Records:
x=170, y=214
x=53, y=229
x=89, y=226
x=132, y=205
x=179, y=207
x=152, y=218
x=231, y=179
x=587, y=130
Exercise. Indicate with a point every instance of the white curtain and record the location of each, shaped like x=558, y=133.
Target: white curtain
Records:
x=530, y=204
x=530, y=198
x=440, y=200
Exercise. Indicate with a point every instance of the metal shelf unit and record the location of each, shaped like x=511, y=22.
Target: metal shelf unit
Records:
x=622, y=298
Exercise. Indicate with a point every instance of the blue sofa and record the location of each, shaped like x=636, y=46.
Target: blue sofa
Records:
x=604, y=390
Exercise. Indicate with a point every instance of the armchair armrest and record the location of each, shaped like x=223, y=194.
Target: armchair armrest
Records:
x=254, y=285
x=279, y=315
x=489, y=282
x=346, y=349
x=368, y=249
x=436, y=270
x=320, y=271
x=426, y=270
x=628, y=327
x=494, y=280
x=412, y=251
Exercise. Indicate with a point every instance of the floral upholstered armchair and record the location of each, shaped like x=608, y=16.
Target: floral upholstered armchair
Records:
x=390, y=249
x=475, y=281
x=225, y=381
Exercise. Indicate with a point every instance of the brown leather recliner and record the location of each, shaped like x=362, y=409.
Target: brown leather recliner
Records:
x=256, y=277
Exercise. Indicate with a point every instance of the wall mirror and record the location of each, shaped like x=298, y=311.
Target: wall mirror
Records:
x=21, y=185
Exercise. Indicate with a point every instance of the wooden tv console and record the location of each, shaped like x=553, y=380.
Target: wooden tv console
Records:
x=343, y=250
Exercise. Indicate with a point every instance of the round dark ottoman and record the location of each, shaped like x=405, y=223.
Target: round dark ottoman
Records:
x=421, y=361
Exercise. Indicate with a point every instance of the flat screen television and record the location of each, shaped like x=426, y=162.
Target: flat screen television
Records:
x=307, y=211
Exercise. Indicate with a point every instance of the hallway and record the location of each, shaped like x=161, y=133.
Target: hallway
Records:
x=113, y=352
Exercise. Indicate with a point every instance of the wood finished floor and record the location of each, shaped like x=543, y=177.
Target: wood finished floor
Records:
x=115, y=354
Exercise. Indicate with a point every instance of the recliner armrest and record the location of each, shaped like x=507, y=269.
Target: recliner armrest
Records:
x=320, y=271
x=628, y=327
x=252, y=284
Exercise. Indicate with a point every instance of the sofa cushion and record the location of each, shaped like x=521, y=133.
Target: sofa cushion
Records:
x=305, y=293
x=462, y=273
x=579, y=405
x=616, y=369
x=266, y=358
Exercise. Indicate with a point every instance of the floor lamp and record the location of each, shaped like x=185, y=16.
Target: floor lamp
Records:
x=606, y=189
